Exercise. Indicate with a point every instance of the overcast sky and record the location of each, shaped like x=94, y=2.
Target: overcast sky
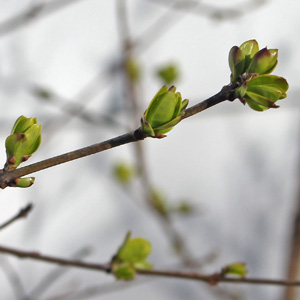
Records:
x=237, y=165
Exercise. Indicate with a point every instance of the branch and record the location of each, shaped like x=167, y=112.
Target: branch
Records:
x=6, y=177
x=56, y=260
x=22, y=214
x=212, y=279
x=53, y=276
x=216, y=278
x=172, y=234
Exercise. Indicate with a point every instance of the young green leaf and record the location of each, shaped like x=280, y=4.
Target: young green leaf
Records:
x=236, y=269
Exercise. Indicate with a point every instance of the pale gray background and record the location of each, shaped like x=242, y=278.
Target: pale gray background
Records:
x=239, y=166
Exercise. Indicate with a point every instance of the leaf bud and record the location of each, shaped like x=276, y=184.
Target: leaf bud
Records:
x=163, y=113
x=24, y=140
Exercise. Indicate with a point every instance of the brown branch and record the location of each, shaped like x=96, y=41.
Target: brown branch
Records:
x=212, y=11
x=56, y=260
x=216, y=278
x=227, y=93
x=212, y=279
x=21, y=214
x=6, y=177
x=53, y=276
x=175, y=238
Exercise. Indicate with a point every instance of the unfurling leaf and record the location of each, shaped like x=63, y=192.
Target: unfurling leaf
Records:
x=132, y=254
x=237, y=269
x=250, y=69
x=163, y=113
x=24, y=140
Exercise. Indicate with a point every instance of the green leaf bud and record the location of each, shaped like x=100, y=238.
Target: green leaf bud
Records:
x=132, y=254
x=249, y=48
x=264, y=61
x=163, y=113
x=237, y=269
x=236, y=63
x=23, y=182
x=261, y=92
x=136, y=250
x=123, y=271
x=24, y=140
x=168, y=74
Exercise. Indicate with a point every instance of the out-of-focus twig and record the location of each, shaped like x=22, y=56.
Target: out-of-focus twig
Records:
x=32, y=14
x=13, y=277
x=213, y=11
x=212, y=279
x=21, y=214
x=176, y=239
x=6, y=177
x=53, y=276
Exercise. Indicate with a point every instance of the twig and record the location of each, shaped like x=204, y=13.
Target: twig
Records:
x=212, y=279
x=22, y=214
x=216, y=278
x=53, y=276
x=28, y=16
x=6, y=177
x=56, y=260
x=212, y=11
x=172, y=234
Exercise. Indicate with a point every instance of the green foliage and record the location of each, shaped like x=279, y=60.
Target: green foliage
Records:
x=236, y=269
x=23, y=182
x=131, y=255
x=168, y=73
x=163, y=113
x=123, y=173
x=263, y=91
x=24, y=140
x=249, y=70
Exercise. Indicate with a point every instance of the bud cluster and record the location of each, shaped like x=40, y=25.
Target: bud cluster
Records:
x=24, y=140
x=250, y=69
x=164, y=112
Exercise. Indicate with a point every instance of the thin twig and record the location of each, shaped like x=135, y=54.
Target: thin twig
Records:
x=172, y=234
x=53, y=276
x=216, y=278
x=13, y=277
x=21, y=214
x=56, y=260
x=6, y=177
x=212, y=279
x=212, y=11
